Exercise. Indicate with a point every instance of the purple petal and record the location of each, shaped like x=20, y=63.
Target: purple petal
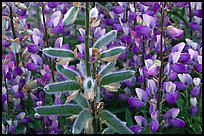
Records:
x=118, y=27
x=26, y=120
x=172, y=76
x=177, y=123
x=4, y=98
x=132, y=15
x=154, y=125
x=135, y=49
x=136, y=129
x=58, y=29
x=65, y=46
x=53, y=4
x=174, y=32
x=8, y=75
x=17, y=71
x=147, y=3
x=195, y=91
x=198, y=67
x=198, y=13
x=58, y=42
x=135, y=102
x=140, y=79
x=140, y=120
x=36, y=59
x=80, y=38
x=19, y=94
x=143, y=30
x=110, y=22
x=193, y=110
x=180, y=86
x=32, y=66
x=194, y=26
x=172, y=113
x=179, y=68
x=182, y=4
x=184, y=57
x=126, y=39
x=32, y=48
x=170, y=98
x=123, y=97
x=118, y=9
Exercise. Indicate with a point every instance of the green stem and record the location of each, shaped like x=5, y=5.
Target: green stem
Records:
x=95, y=123
x=13, y=32
x=161, y=57
x=87, y=41
x=190, y=19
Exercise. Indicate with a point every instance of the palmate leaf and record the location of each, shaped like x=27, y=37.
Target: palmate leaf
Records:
x=114, y=122
x=62, y=87
x=58, y=53
x=69, y=73
x=70, y=16
x=106, y=39
x=112, y=54
x=59, y=110
x=116, y=77
x=81, y=100
x=107, y=68
x=79, y=123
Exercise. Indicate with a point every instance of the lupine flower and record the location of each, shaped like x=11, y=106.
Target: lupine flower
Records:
x=141, y=121
x=170, y=118
x=174, y=32
x=140, y=101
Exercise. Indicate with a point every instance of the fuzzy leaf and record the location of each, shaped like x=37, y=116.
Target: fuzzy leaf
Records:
x=107, y=68
x=69, y=73
x=70, y=16
x=58, y=110
x=80, y=100
x=58, y=53
x=63, y=86
x=116, y=77
x=106, y=39
x=114, y=122
x=80, y=121
x=112, y=54
x=109, y=130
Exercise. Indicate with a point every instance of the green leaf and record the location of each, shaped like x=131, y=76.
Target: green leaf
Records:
x=59, y=110
x=180, y=103
x=63, y=86
x=69, y=73
x=81, y=120
x=70, y=16
x=107, y=68
x=114, y=122
x=81, y=100
x=116, y=77
x=112, y=54
x=128, y=117
x=109, y=130
x=58, y=53
x=106, y=39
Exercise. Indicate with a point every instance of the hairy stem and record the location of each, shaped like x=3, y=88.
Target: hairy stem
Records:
x=95, y=124
x=87, y=41
x=190, y=19
x=47, y=43
x=161, y=57
x=13, y=32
